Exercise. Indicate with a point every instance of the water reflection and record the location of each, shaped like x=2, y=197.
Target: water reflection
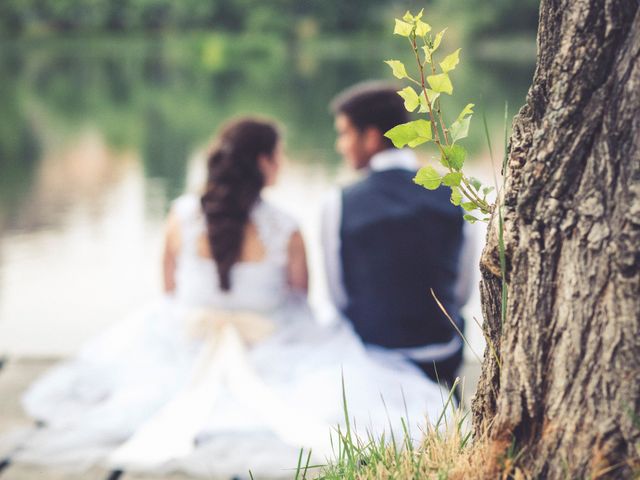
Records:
x=78, y=173
x=96, y=137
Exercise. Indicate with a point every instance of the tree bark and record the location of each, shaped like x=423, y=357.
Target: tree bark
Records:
x=561, y=377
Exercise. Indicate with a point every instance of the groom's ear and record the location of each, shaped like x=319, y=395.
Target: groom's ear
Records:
x=373, y=140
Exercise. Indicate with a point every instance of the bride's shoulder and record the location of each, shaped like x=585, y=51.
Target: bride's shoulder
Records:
x=186, y=206
x=274, y=219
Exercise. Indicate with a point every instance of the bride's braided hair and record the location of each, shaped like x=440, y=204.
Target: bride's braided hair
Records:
x=234, y=182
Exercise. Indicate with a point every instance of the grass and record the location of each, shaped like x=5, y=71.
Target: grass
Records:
x=446, y=450
x=387, y=457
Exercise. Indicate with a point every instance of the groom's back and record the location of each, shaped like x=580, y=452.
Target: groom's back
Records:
x=398, y=242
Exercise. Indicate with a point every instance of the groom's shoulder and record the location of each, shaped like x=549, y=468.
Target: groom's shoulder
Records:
x=394, y=190
x=377, y=182
x=358, y=187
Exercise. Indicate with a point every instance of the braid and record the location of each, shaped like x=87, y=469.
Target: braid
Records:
x=234, y=182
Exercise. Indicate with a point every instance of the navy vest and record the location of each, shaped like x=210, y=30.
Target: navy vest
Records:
x=399, y=241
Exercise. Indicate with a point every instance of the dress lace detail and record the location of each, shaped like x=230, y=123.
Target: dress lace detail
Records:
x=275, y=228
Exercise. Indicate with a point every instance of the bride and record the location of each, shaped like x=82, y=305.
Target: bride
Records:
x=228, y=372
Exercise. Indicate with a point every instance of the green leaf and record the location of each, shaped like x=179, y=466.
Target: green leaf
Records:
x=418, y=141
x=437, y=40
x=399, y=71
x=401, y=135
x=410, y=18
x=433, y=46
x=452, y=179
x=476, y=183
x=428, y=177
x=450, y=61
x=456, y=196
x=412, y=133
x=431, y=95
x=402, y=28
x=459, y=129
x=466, y=111
x=410, y=97
x=422, y=28
x=487, y=190
x=427, y=53
x=423, y=128
x=454, y=157
x=469, y=206
x=470, y=218
x=440, y=83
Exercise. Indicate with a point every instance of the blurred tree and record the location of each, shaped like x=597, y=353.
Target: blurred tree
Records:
x=15, y=15
x=278, y=16
x=19, y=146
x=483, y=18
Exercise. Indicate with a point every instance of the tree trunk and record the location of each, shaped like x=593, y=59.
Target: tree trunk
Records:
x=561, y=377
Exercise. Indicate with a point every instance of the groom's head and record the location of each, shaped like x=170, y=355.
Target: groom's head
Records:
x=363, y=113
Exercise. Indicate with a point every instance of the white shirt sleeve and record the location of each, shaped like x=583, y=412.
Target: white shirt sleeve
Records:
x=330, y=238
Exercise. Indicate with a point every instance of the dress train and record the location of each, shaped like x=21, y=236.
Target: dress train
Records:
x=172, y=433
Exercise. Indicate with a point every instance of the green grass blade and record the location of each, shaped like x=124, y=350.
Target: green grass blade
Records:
x=488, y=138
x=449, y=400
x=306, y=465
x=347, y=439
x=393, y=437
x=299, y=464
x=444, y=310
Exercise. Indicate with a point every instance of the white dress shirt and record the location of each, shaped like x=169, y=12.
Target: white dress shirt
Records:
x=330, y=236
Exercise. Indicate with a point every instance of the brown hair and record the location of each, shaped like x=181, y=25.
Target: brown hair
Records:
x=372, y=104
x=234, y=182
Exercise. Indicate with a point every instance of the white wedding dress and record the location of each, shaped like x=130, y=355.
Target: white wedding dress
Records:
x=217, y=383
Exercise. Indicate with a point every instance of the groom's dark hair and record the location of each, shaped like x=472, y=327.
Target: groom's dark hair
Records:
x=372, y=104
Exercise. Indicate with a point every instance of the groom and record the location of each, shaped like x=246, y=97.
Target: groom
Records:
x=388, y=242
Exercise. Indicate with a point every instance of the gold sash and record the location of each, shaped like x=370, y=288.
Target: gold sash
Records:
x=206, y=323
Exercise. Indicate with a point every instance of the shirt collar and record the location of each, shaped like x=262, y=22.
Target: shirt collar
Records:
x=392, y=158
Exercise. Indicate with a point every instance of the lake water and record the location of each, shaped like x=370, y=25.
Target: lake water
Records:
x=98, y=135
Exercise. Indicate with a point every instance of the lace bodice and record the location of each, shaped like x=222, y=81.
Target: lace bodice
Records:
x=258, y=286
